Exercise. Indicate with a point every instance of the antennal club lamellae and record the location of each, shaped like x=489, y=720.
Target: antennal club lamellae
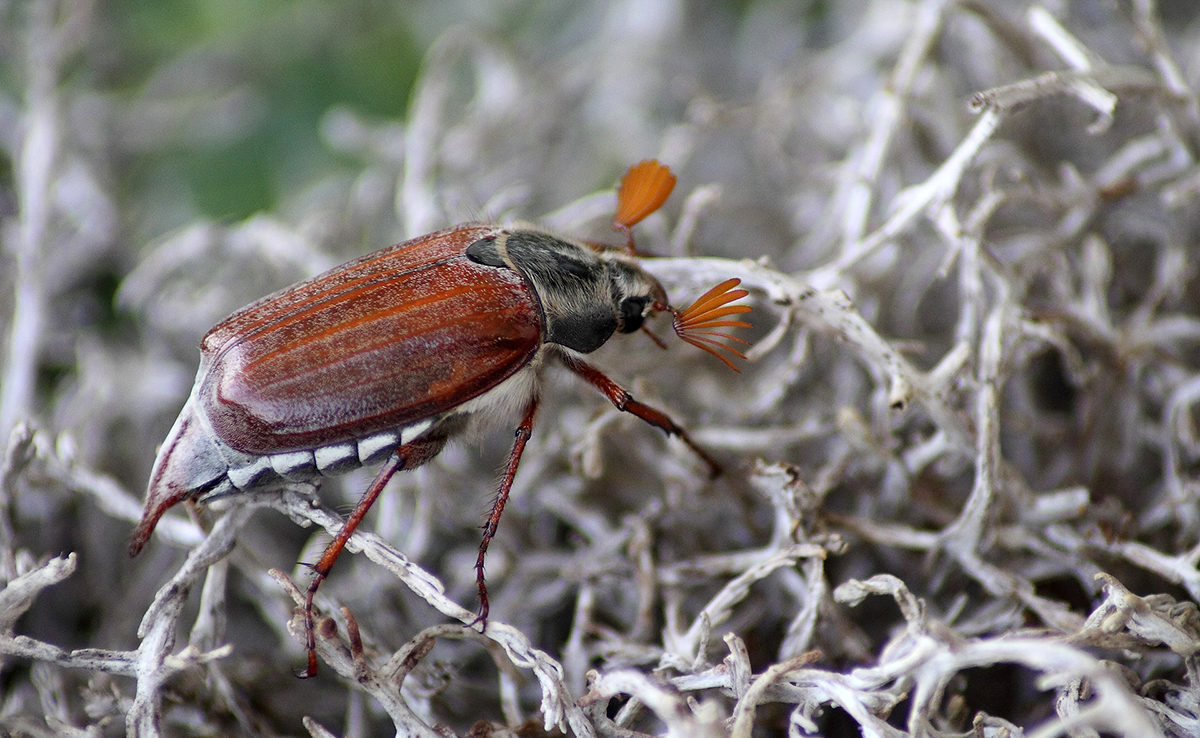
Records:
x=695, y=324
x=644, y=189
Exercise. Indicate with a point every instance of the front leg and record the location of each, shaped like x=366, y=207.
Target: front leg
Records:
x=623, y=401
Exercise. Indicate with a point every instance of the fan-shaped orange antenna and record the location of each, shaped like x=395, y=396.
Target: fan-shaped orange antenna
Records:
x=695, y=324
x=644, y=189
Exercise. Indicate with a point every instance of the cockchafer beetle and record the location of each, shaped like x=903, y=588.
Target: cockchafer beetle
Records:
x=388, y=356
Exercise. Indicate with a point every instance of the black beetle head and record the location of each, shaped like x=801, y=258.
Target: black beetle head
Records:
x=635, y=293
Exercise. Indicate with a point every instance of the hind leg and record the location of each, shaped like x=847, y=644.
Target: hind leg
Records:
x=408, y=456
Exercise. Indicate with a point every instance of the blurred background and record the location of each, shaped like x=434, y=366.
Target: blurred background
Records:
x=164, y=162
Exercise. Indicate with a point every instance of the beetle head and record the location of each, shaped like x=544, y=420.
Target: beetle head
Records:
x=635, y=294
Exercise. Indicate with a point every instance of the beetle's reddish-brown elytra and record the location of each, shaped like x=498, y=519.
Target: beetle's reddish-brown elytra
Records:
x=389, y=356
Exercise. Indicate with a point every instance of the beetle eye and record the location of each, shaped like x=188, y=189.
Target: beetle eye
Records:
x=631, y=314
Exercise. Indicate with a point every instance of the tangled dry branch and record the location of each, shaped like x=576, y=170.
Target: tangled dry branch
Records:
x=969, y=231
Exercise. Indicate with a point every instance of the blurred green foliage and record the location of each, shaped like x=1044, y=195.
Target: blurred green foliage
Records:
x=298, y=58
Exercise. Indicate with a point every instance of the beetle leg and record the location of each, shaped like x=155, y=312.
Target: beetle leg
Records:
x=620, y=397
x=408, y=456
x=524, y=431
